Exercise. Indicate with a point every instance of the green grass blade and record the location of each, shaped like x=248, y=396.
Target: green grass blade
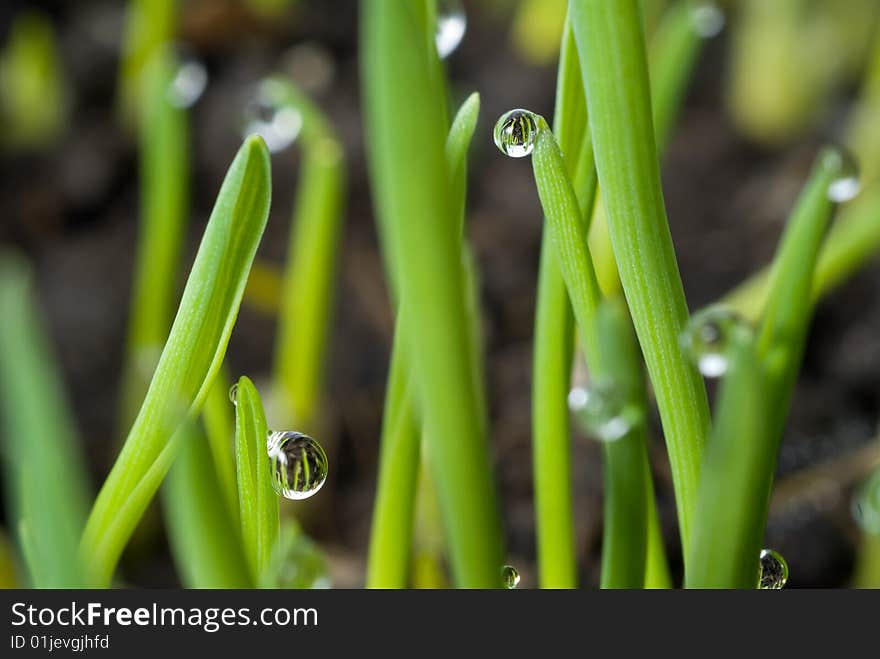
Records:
x=308, y=287
x=739, y=461
x=613, y=62
x=47, y=492
x=150, y=26
x=219, y=425
x=457, y=142
x=192, y=355
x=404, y=108
x=258, y=503
x=164, y=175
x=205, y=540
x=625, y=534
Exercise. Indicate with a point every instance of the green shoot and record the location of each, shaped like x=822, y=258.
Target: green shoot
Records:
x=191, y=357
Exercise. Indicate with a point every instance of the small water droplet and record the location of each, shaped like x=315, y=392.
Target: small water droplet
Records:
x=276, y=123
x=773, y=570
x=451, y=26
x=509, y=577
x=707, y=18
x=233, y=394
x=866, y=504
x=296, y=562
x=299, y=464
x=846, y=184
x=602, y=411
x=515, y=133
x=188, y=84
x=707, y=339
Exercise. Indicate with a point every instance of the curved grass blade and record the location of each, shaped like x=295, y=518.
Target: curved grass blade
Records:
x=46, y=482
x=258, y=503
x=405, y=105
x=191, y=357
x=613, y=63
x=205, y=540
x=219, y=428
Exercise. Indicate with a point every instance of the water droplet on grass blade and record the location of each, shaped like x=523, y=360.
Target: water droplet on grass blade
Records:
x=276, y=123
x=299, y=464
x=451, y=26
x=515, y=133
x=866, y=504
x=707, y=339
x=509, y=577
x=707, y=18
x=846, y=183
x=773, y=570
x=233, y=394
x=602, y=411
x=295, y=562
x=188, y=84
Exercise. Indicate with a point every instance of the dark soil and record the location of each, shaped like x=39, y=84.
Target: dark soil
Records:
x=74, y=211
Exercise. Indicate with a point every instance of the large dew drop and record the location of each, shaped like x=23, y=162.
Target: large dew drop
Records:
x=515, y=133
x=276, y=123
x=707, y=339
x=866, y=504
x=451, y=26
x=602, y=411
x=188, y=83
x=509, y=577
x=299, y=464
x=773, y=571
x=846, y=183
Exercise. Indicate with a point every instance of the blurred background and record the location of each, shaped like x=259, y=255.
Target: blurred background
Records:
x=778, y=81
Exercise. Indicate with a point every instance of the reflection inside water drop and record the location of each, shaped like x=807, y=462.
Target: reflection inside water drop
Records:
x=451, y=26
x=233, y=394
x=515, y=133
x=773, y=570
x=509, y=577
x=299, y=464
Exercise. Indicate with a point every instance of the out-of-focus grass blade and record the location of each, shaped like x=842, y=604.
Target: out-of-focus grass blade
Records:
x=611, y=46
x=219, y=428
x=192, y=355
x=405, y=110
x=45, y=478
x=164, y=177
x=150, y=25
x=308, y=287
x=258, y=503
x=625, y=534
x=204, y=538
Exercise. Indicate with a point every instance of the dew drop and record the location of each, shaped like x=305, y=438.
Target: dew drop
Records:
x=707, y=18
x=299, y=464
x=276, y=123
x=515, y=133
x=188, y=84
x=707, y=339
x=846, y=183
x=451, y=26
x=509, y=577
x=602, y=411
x=866, y=504
x=773, y=570
x=233, y=394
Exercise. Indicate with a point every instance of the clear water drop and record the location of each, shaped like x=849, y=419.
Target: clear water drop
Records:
x=278, y=124
x=773, y=570
x=515, y=133
x=509, y=577
x=299, y=464
x=707, y=18
x=233, y=394
x=846, y=184
x=296, y=562
x=188, y=84
x=866, y=504
x=602, y=411
x=707, y=339
x=451, y=26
